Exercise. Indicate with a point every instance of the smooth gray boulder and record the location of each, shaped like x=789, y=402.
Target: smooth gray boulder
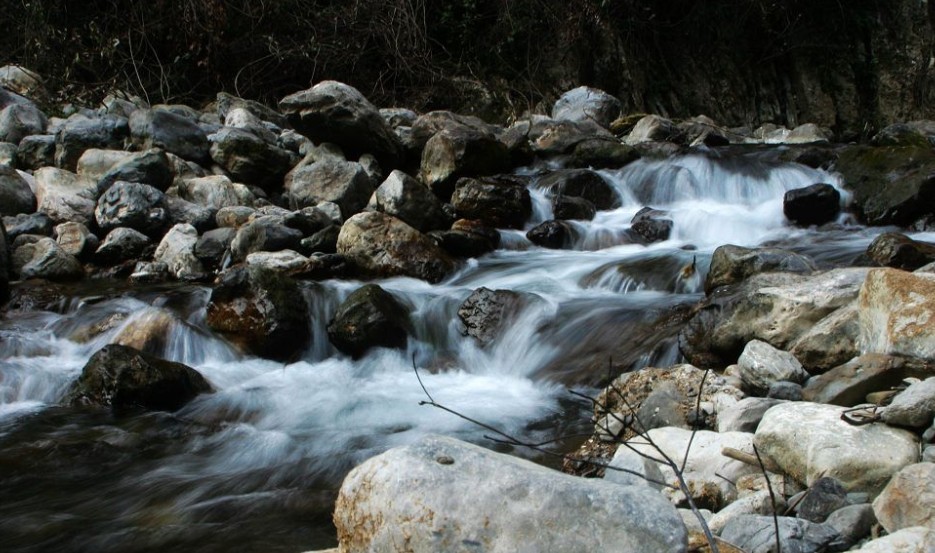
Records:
x=410, y=201
x=913, y=407
x=762, y=365
x=342, y=182
x=809, y=440
x=587, y=104
x=440, y=494
x=15, y=194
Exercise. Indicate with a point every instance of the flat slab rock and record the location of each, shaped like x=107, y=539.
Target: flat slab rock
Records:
x=441, y=494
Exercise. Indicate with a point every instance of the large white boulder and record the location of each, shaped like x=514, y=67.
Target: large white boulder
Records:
x=810, y=440
x=441, y=494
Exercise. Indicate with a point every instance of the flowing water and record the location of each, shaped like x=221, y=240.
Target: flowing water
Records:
x=256, y=465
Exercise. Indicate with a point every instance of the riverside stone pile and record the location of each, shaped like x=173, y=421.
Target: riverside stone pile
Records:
x=827, y=373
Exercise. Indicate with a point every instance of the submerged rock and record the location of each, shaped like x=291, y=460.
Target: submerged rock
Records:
x=416, y=495
x=486, y=312
x=369, y=317
x=122, y=377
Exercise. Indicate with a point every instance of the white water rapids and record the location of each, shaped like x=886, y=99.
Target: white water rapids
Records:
x=254, y=465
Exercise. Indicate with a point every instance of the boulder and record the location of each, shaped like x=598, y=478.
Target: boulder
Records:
x=147, y=331
x=94, y=163
x=580, y=183
x=184, y=211
x=918, y=539
x=907, y=500
x=653, y=128
x=33, y=223
x=709, y=475
x=132, y=205
x=175, y=133
x=415, y=495
x=892, y=185
x=553, y=234
x=893, y=249
x=831, y=342
x=248, y=158
x=121, y=377
x=5, y=269
x=762, y=365
x=15, y=194
x=243, y=119
x=215, y=192
x=853, y=522
x=496, y=201
x=587, y=104
x=744, y=415
x=572, y=207
x=813, y=205
x=234, y=216
x=914, y=407
x=36, y=151
x=122, y=244
x=213, y=244
x=382, y=245
x=283, y=261
x=151, y=167
x=825, y=496
x=896, y=312
x=17, y=121
x=757, y=534
x=850, y=383
x=650, y=225
x=262, y=311
x=369, y=317
x=756, y=503
x=468, y=238
x=82, y=133
x=630, y=468
x=75, y=239
x=264, y=234
x=408, y=200
x=429, y=124
x=342, y=182
x=810, y=440
x=732, y=264
x=177, y=251
x=485, y=313
x=228, y=102
x=22, y=81
x=773, y=307
x=64, y=196
x=458, y=152
x=47, y=260
x=324, y=241
x=335, y=112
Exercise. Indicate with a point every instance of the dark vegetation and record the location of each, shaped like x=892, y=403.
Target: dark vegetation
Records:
x=848, y=65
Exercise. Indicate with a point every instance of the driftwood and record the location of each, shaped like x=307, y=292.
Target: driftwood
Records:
x=751, y=459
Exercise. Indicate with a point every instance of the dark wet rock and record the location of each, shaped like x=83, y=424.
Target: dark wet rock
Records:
x=264, y=234
x=149, y=272
x=33, y=223
x=45, y=259
x=323, y=241
x=125, y=378
x=788, y=391
x=848, y=384
x=581, y=183
x=757, y=534
x=36, y=151
x=893, y=249
x=342, y=182
x=587, y=104
x=308, y=220
x=381, y=245
x=813, y=205
x=852, y=522
x=5, y=269
x=825, y=496
x=702, y=130
x=650, y=225
x=15, y=194
x=600, y=153
x=324, y=266
x=151, y=167
x=732, y=264
x=335, y=112
x=369, y=317
x=468, y=238
x=486, y=313
x=552, y=234
x=132, y=205
x=183, y=211
x=409, y=200
x=248, y=158
x=457, y=152
x=166, y=129
x=891, y=185
x=75, y=239
x=17, y=121
x=572, y=207
x=661, y=271
x=497, y=201
x=122, y=244
x=213, y=244
x=913, y=133
x=261, y=311
x=82, y=133
x=816, y=157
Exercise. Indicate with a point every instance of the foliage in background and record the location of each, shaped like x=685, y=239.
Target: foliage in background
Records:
x=493, y=57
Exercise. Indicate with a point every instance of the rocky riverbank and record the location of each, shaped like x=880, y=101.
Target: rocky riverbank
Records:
x=824, y=371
